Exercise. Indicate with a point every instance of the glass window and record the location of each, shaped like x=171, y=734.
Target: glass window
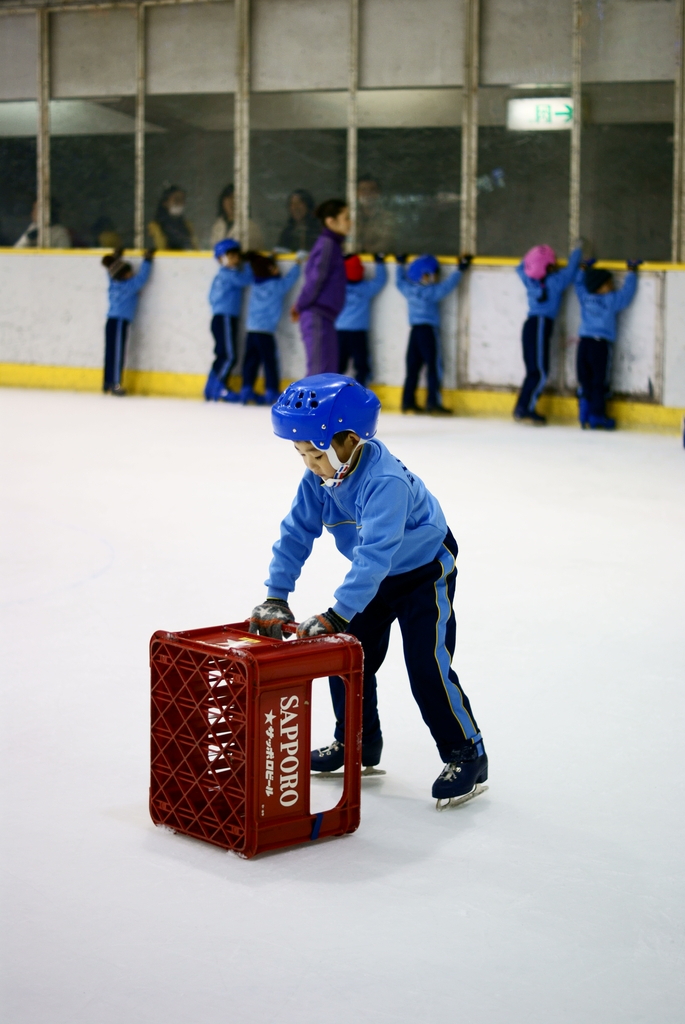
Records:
x=298, y=156
x=188, y=169
x=409, y=163
x=18, y=122
x=629, y=59
x=92, y=172
x=523, y=170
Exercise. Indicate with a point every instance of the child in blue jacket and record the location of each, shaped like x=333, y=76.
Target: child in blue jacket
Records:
x=422, y=292
x=403, y=567
x=124, y=288
x=264, y=309
x=599, y=304
x=352, y=324
x=226, y=299
x=545, y=285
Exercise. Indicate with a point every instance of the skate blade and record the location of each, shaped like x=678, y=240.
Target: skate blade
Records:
x=370, y=772
x=456, y=801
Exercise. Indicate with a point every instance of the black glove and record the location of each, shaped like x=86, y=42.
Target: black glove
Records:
x=634, y=264
x=148, y=254
x=589, y=262
x=402, y=258
x=465, y=262
x=379, y=257
x=318, y=625
x=268, y=618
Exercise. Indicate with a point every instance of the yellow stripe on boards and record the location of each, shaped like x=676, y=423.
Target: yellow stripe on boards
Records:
x=558, y=408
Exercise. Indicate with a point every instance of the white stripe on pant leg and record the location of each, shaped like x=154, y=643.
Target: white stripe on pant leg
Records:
x=541, y=369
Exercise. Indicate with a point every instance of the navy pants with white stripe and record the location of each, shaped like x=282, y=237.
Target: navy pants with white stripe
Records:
x=537, y=331
x=422, y=350
x=592, y=367
x=116, y=333
x=421, y=600
x=225, y=331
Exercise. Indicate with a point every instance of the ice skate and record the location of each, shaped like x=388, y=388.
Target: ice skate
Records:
x=601, y=423
x=462, y=779
x=326, y=761
x=118, y=391
x=533, y=419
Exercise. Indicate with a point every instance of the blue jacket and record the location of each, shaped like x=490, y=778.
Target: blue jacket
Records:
x=423, y=299
x=554, y=285
x=357, y=309
x=383, y=518
x=266, y=301
x=123, y=295
x=598, y=312
x=226, y=293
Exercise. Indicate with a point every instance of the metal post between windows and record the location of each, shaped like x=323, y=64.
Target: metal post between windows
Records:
x=576, y=96
x=242, y=123
x=352, y=122
x=139, y=196
x=43, y=134
x=469, y=123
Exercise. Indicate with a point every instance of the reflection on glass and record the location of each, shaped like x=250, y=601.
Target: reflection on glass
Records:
x=627, y=169
x=92, y=172
x=523, y=174
x=408, y=190
x=188, y=170
x=291, y=172
x=17, y=172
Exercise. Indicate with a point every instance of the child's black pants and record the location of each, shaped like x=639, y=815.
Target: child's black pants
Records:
x=537, y=330
x=354, y=345
x=261, y=348
x=592, y=364
x=422, y=349
x=421, y=601
x=116, y=333
x=225, y=331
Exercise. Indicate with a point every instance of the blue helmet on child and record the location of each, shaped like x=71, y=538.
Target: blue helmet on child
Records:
x=315, y=408
x=224, y=246
x=422, y=265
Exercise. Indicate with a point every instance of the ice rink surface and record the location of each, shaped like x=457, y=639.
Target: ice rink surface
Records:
x=555, y=897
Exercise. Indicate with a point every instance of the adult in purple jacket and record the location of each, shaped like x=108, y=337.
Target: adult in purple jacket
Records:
x=323, y=295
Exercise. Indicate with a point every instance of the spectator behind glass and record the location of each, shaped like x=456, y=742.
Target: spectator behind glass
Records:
x=58, y=235
x=374, y=222
x=224, y=225
x=303, y=227
x=171, y=229
x=105, y=234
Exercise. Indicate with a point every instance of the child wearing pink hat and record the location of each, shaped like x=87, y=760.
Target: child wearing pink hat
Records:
x=545, y=285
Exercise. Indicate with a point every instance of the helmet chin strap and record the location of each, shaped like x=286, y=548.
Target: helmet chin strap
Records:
x=341, y=468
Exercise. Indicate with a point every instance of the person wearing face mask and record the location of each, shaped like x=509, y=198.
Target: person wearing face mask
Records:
x=171, y=229
x=392, y=529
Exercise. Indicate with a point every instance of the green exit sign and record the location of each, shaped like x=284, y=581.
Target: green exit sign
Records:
x=540, y=114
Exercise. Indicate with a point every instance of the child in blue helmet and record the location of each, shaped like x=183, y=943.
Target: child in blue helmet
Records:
x=419, y=285
x=545, y=285
x=352, y=325
x=226, y=299
x=599, y=305
x=264, y=310
x=124, y=288
x=403, y=556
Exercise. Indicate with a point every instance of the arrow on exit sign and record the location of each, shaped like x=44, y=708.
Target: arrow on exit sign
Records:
x=540, y=114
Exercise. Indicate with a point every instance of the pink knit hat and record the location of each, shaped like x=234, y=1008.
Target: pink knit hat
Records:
x=536, y=261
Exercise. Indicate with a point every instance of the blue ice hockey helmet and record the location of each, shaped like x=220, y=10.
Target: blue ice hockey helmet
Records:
x=318, y=407
x=422, y=265
x=224, y=246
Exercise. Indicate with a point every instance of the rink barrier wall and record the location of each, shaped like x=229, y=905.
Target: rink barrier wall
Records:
x=54, y=307
x=489, y=404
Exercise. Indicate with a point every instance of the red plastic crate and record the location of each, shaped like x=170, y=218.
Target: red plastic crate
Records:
x=231, y=727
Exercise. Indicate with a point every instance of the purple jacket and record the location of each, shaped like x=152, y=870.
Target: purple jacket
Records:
x=324, y=277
